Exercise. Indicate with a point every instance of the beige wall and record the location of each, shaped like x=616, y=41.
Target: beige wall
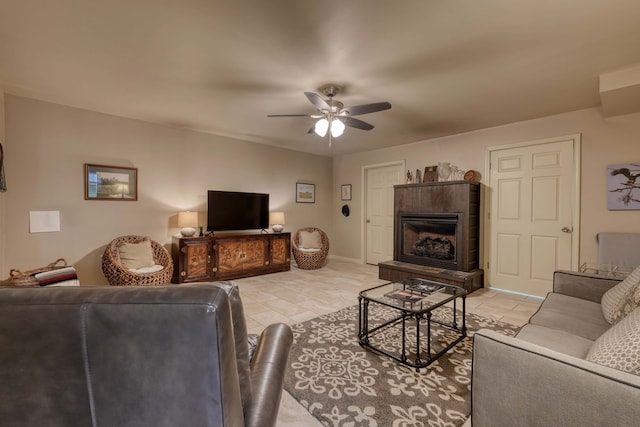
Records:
x=48, y=144
x=604, y=142
x=2, y=195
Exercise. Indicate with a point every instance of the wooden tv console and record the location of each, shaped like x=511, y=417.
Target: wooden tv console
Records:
x=229, y=256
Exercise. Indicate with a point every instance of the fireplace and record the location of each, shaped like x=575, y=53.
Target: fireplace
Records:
x=436, y=234
x=431, y=239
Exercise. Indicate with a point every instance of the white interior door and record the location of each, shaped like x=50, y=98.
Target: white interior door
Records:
x=532, y=214
x=379, y=182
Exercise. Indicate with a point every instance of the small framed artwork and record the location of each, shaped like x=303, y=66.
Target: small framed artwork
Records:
x=305, y=193
x=103, y=182
x=345, y=192
x=430, y=174
x=623, y=186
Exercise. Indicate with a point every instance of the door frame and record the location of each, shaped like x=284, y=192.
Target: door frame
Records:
x=575, y=235
x=363, y=207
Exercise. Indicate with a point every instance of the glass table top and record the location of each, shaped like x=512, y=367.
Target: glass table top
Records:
x=415, y=294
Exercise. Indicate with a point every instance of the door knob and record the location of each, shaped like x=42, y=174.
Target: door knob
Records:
x=567, y=229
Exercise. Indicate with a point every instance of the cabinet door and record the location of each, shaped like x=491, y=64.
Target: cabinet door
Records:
x=280, y=250
x=196, y=260
x=256, y=254
x=230, y=255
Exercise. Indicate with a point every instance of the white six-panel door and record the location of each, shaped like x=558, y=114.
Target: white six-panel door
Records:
x=532, y=214
x=379, y=182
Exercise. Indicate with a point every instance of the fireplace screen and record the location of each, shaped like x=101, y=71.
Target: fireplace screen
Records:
x=430, y=239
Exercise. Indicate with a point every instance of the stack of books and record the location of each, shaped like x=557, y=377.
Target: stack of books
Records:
x=414, y=290
x=65, y=276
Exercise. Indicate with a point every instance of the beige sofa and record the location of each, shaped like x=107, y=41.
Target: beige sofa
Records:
x=546, y=375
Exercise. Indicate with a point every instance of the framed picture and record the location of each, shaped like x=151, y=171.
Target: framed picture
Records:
x=345, y=192
x=110, y=183
x=623, y=186
x=305, y=193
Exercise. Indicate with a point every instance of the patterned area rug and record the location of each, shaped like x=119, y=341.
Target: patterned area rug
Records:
x=342, y=384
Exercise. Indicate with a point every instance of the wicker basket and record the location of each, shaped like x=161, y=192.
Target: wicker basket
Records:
x=310, y=260
x=117, y=275
x=27, y=278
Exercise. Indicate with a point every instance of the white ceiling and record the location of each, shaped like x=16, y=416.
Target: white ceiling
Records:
x=222, y=66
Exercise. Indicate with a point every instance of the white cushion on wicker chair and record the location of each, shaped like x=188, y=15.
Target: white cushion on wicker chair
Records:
x=143, y=270
x=310, y=240
x=136, y=255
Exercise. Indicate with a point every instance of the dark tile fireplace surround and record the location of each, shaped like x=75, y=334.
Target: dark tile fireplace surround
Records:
x=436, y=234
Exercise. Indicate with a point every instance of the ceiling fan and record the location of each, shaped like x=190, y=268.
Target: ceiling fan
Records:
x=333, y=116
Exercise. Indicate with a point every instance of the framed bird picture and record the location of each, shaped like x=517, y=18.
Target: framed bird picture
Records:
x=623, y=186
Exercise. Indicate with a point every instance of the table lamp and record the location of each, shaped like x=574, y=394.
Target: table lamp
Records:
x=187, y=220
x=276, y=219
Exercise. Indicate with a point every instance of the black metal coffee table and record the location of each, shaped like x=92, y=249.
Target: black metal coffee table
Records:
x=412, y=299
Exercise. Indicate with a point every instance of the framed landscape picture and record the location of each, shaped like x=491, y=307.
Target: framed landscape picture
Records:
x=305, y=193
x=103, y=182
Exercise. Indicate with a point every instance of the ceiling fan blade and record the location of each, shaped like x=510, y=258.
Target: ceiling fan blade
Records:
x=317, y=101
x=356, y=123
x=357, y=110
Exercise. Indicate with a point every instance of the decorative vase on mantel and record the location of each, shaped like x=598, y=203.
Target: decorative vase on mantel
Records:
x=444, y=171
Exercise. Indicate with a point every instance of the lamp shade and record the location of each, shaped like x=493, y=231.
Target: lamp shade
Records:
x=187, y=220
x=276, y=219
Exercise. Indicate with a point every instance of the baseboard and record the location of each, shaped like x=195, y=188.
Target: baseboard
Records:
x=506, y=291
x=345, y=259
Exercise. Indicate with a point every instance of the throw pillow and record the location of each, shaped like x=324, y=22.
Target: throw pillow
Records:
x=310, y=239
x=619, y=347
x=136, y=255
x=620, y=300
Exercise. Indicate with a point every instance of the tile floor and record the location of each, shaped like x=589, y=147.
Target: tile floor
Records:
x=299, y=295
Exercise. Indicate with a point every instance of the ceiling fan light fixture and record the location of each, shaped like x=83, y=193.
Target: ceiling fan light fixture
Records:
x=337, y=128
x=321, y=127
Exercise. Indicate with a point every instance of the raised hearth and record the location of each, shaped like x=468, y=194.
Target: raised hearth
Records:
x=396, y=271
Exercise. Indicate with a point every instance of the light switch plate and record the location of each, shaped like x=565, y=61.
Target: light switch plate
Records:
x=44, y=221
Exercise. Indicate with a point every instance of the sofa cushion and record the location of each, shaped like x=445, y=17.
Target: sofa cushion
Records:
x=621, y=300
x=619, y=347
x=557, y=340
x=136, y=255
x=573, y=315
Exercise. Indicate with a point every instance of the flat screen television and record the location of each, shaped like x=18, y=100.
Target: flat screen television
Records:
x=233, y=210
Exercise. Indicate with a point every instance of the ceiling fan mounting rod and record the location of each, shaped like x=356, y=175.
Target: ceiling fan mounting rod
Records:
x=330, y=89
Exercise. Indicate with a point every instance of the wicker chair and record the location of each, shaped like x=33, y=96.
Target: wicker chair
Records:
x=117, y=275
x=310, y=260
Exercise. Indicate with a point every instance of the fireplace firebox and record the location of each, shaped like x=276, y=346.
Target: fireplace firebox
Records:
x=431, y=239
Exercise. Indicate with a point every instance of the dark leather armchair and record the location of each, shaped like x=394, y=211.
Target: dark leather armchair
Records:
x=136, y=356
